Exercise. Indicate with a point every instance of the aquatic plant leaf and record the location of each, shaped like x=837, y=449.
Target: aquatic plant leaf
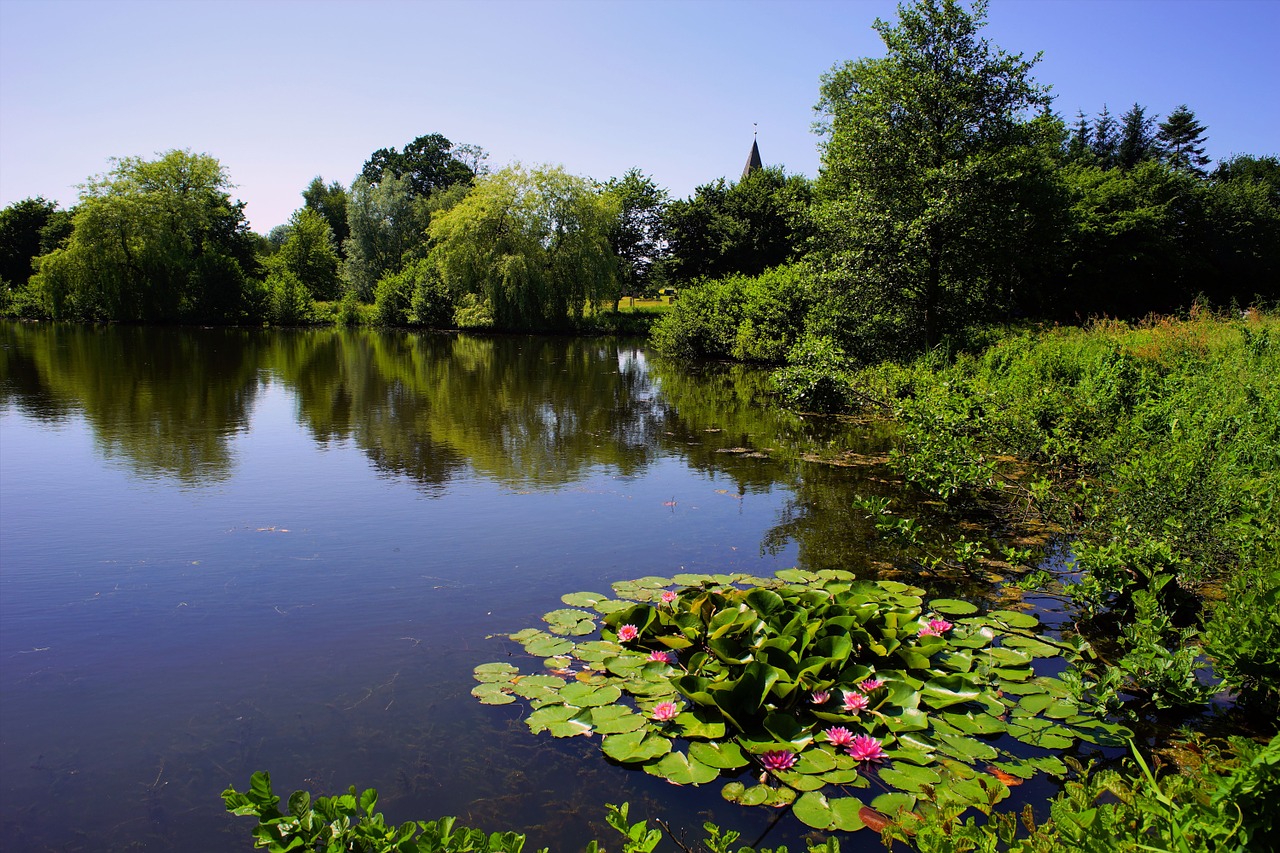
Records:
x=966, y=748
x=908, y=777
x=495, y=672
x=952, y=607
x=701, y=723
x=893, y=803
x=727, y=756
x=635, y=747
x=1014, y=619
x=542, y=718
x=589, y=695
x=945, y=690
x=493, y=694
x=547, y=646
x=680, y=769
x=616, y=719
x=583, y=599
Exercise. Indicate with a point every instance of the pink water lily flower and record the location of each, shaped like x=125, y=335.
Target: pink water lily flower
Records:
x=668, y=596
x=936, y=628
x=855, y=703
x=662, y=657
x=870, y=684
x=866, y=748
x=780, y=759
x=664, y=711
x=627, y=633
x=820, y=697
x=839, y=736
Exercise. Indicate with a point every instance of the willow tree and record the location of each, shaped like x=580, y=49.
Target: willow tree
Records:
x=154, y=240
x=927, y=194
x=533, y=243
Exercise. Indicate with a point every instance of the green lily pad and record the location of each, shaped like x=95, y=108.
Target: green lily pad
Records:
x=583, y=599
x=493, y=694
x=635, y=747
x=908, y=777
x=680, y=769
x=616, y=719
x=493, y=672
x=952, y=607
x=726, y=756
x=1014, y=619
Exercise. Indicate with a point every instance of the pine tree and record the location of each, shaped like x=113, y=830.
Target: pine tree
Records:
x=1103, y=144
x=1137, y=141
x=1078, y=142
x=1181, y=140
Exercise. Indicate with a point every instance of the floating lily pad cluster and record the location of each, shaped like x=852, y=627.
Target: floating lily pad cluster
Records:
x=802, y=688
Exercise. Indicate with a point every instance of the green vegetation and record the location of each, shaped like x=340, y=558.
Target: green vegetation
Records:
x=814, y=680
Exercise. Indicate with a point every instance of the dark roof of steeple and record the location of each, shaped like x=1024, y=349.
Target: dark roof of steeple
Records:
x=753, y=161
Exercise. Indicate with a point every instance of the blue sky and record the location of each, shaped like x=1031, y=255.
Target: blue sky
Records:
x=283, y=90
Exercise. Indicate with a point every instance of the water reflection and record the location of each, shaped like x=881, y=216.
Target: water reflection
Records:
x=257, y=582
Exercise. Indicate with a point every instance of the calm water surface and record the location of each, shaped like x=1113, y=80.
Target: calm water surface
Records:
x=225, y=551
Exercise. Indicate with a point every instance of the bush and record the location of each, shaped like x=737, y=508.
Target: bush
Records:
x=746, y=318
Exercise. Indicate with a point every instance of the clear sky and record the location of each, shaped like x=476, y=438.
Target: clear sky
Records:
x=283, y=90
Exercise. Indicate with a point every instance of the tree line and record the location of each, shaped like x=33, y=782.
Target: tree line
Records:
x=949, y=195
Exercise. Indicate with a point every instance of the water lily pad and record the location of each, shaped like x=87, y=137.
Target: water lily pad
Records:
x=494, y=672
x=543, y=718
x=547, y=646
x=814, y=810
x=635, y=747
x=493, y=694
x=952, y=607
x=615, y=719
x=727, y=756
x=1014, y=619
x=908, y=777
x=680, y=769
x=700, y=724
x=893, y=803
x=583, y=599
x=589, y=695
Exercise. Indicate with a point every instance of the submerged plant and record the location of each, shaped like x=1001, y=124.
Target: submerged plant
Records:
x=922, y=701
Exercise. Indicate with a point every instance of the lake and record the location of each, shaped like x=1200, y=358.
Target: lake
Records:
x=224, y=551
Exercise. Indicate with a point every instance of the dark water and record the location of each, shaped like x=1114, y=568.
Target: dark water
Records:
x=225, y=551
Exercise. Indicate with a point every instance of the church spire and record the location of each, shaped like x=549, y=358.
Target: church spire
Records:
x=753, y=160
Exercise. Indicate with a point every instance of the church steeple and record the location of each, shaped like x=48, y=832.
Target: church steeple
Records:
x=753, y=160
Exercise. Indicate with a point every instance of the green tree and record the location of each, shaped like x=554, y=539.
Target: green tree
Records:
x=931, y=177
x=331, y=203
x=533, y=243
x=1181, y=140
x=154, y=240
x=1137, y=137
x=28, y=229
x=1105, y=142
x=738, y=229
x=429, y=162
x=385, y=223
x=638, y=236
x=309, y=253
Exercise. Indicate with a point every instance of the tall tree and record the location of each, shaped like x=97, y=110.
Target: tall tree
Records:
x=533, y=244
x=1137, y=137
x=385, y=223
x=309, y=253
x=28, y=229
x=331, y=203
x=154, y=240
x=1182, y=140
x=928, y=180
x=739, y=229
x=1078, y=142
x=1104, y=142
x=638, y=236
x=429, y=163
